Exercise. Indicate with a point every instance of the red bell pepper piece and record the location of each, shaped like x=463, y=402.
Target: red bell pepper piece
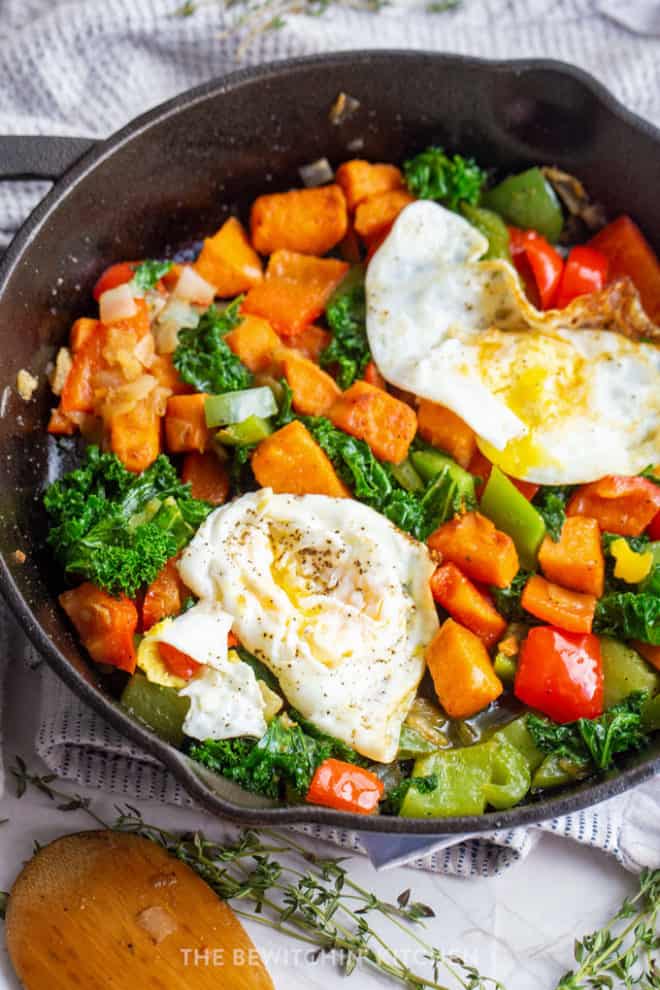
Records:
x=178, y=662
x=106, y=625
x=654, y=528
x=629, y=253
x=533, y=255
x=621, y=504
x=561, y=674
x=345, y=787
x=113, y=276
x=585, y=271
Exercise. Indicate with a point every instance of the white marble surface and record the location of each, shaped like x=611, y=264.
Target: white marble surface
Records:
x=519, y=927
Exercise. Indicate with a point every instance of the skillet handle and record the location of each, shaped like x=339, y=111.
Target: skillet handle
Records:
x=39, y=156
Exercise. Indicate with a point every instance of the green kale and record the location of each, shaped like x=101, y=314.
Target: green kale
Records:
x=203, y=357
x=434, y=175
x=338, y=749
x=285, y=413
x=393, y=799
x=550, y=502
x=346, y=315
x=118, y=529
x=629, y=615
x=507, y=600
x=594, y=740
x=285, y=757
x=149, y=273
x=651, y=474
x=372, y=482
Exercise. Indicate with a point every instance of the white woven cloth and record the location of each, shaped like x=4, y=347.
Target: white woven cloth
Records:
x=85, y=67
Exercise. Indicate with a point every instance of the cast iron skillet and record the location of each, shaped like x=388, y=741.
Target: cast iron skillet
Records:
x=170, y=178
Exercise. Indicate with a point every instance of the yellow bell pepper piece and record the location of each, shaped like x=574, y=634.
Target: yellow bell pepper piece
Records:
x=631, y=567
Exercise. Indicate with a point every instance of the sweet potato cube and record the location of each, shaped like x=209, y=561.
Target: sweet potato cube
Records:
x=314, y=391
x=295, y=290
x=576, y=560
x=185, y=424
x=467, y=604
x=369, y=413
x=442, y=428
x=228, y=261
x=135, y=436
x=480, y=550
x=378, y=213
x=310, y=221
x=290, y=460
x=361, y=180
x=255, y=342
x=462, y=673
x=310, y=342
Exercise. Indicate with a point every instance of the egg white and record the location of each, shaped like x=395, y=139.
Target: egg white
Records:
x=332, y=597
x=549, y=403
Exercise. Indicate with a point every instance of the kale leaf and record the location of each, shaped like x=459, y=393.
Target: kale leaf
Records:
x=595, y=740
x=149, y=273
x=550, y=502
x=203, y=357
x=286, y=756
x=340, y=750
x=507, y=600
x=346, y=314
x=118, y=529
x=629, y=615
x=434, y=175
x=372, y=482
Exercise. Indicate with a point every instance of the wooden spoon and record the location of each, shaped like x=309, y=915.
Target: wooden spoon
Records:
x=110, y=910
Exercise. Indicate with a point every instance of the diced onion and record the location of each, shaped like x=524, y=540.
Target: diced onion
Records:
x=126, y=397
x=176, y=316
x=316, y=173
x=117, y=304
x=193, y=288
x=63, y=363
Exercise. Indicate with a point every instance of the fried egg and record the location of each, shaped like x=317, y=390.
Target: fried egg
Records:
x=551, y=401
x=331, y=597
x=226, y=699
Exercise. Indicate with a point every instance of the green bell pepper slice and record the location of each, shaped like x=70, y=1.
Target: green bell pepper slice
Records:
x=407, y=476
x=469, y=779
x=624, y=671
x=251, y=430
x=235, y=407
x=557, y=771
x=511, y=512
x=527, y=200
x=493, y=228
x=159, y=708
x=511, y=777
x=413, y=744
x=505, y=667
x=517, y=734
x=429, y=463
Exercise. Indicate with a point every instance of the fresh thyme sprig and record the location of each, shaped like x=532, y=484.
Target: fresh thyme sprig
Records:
x=256, y=16
x=625, y=949
x=312, y=898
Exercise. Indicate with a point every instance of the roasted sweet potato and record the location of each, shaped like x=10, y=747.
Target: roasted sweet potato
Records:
x=78, y=391
x=442, y=428
x=569, y=610
x=255, y=342
x=619, y=503
x=163, y=370
x=228, y=261
x=467, y=604
x=295, y=290
x=482, y=552
x=378, y=212
x=208, y=477
x=314, y=391
x=462, y=673
x=290, y=460
x=106, y=625
x=310, y=221
x=310, y=342
x=185, y=424
x=369, y=413
x=163, y=597
x=135, y=436
x=576, y=560
x=361, y=180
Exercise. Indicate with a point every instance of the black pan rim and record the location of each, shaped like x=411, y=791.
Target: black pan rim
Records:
x=173, y=759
